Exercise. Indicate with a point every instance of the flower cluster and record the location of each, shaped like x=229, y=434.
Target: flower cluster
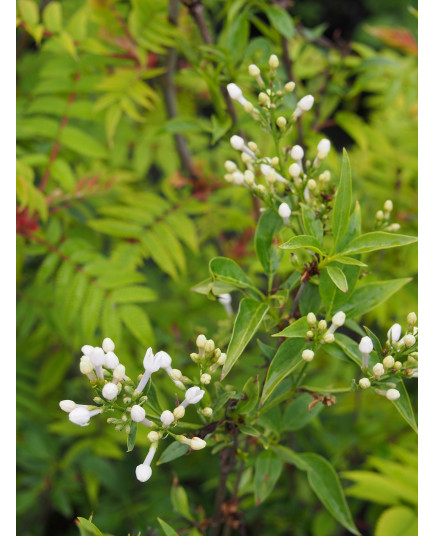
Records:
x=128, y=404
x=287, y=172
x=320, y=333
x=398, y=359
x=382, y=218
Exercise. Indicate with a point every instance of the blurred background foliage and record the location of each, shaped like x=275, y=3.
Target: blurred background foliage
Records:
x=122, y=128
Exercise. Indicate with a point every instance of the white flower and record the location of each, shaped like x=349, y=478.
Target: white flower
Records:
x=201, y=341
x=378, y=369
x=297, y=152
x=97, y=357
x=138, y=413
x=273, y=62
x=193, y=396
x=69, y=405
x=226, y=300
x=221, y=360
x=329, y=338
x=81, y=415
x=108, y=345
x=364, y=383
x=235, y=93
x=154, y=437
x=87, y=349
x=284, y=212
x=409, y=340
x=118, y=373
x=230, y=166
x=144, y=471
x=179, y=412
x=111, y=360
x=366, y=346
x=289, y=87
x=86, y=367
x=303, y=105
x=392, y=394
x=388, y=361
x=254, y=70
x=281, y=122
x=151, y=364
x=238, y=144
x=311, y=319
x=205, y=379
x=394, y=333
x=110, y=391
x=266, y=170
x=388, y=206
x=307, y=355
x=195, y=443
x=207, y=412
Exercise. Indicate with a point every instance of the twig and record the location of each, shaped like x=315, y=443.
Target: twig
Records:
x=225, y=468
x=169, y=92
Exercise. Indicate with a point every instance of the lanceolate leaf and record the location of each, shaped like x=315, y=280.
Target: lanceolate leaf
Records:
x=287, y=358
x=342, y=206
x=369, y=296
x=297, y=329
x=303, y=242
x=269, y=225
x=173, y=451
x=403, y=405
x=227, y=271
x=338, y=278
x=249, y=318
x=377, y=240
x=312, y=224
x=132, y=436
x=324, y=481
x=167, y=529
x=268, y=467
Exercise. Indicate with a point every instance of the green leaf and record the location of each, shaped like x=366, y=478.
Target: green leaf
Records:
x=227, y=271
x=52, y=17
x=371, y=295
x=114, y=227
x=377, y=240
x=179, y=499
x=167, y=529
x=325, y=483
x=338, y=278
x=342, y=206
x=287, y=358
x=351, y=261
x=267, y=471
x=250, y=316
x=82, y=143
x=269, y=225
x=87, y=528
x=91, y=310
x=281, y=21
x=29, y=12
x=132, y=436
x=305, y=242
x=399, y=521
x=312, y=224
x=137, y=322
x=296, y=329
x=134, y=294
x=297, y=414
x=250, y=396
x=173, y=451
x=404, y=407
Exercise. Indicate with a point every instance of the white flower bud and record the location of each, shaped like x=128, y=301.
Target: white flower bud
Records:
x=167, y=418
x=111, y=360
x=323, y=148
x=305, y=103
x=297, y=152
x=237, y=143
x=252, y=146
x=205, y=379
x=143, y=472
x=309, y=334
x=110, y=391
x=294, y=170
x=311, y=184
x=235, y=93
x=138, y=413
x=179, y=412
x=388, y=361
x=366, y=345
x=108, y=345
x=254, y=70
x=394, y=333
x=207, y=412
x=281, y=122
x=221, y=360
x=230, y=166
x=379, y=215
x=329, y=338
x=118, y=373
x=67, y=405
x=201, y=341
x=392, y=394
x=209, y=346
x=86, y=366
x=165, y=359
x=176, y=374
x=273, y=62
x=378, y=369
x=339, y=319
x=411, y=319
x=260, y=189
x=311, y=319
x=284, y=210
x=197, y=443
x=249, y=177
x=97, y=357
x=193, y=396
x=322, y=325
x=388, y=206
x=397, y=365
x=87, y=350
x=81, y=416
x=154, y=437
x=289, y=87
x=409, y=340
x=307, y=355
x=364, y=383
x=274, y=161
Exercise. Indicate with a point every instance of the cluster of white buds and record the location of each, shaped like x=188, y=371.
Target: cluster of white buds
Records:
x=208, y=357
x=318, y=329
x=95, y=358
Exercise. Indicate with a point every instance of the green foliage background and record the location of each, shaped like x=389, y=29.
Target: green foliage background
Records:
x=113, y=230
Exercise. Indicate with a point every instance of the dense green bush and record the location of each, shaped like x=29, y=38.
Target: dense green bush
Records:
x=123, y=130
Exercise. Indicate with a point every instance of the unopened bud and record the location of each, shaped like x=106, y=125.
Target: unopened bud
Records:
x=322, y=325
x=230, y=166
x=378, y=369
x=309, y=334
x=154, y=436
x=397, y=365
x=294, y=170
x=201, y=341
x=254, y=70
x=392, y=394
x=364, y=383
x=179, y=412
x=205, y=379
x=273, y=62
x=411, y=319
x=388, y=361
x=329, y=338
x=388, y=206
x=311, y=319
x=207, y=412
x=281, y=122
x=409, y=340
x=307, y=355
